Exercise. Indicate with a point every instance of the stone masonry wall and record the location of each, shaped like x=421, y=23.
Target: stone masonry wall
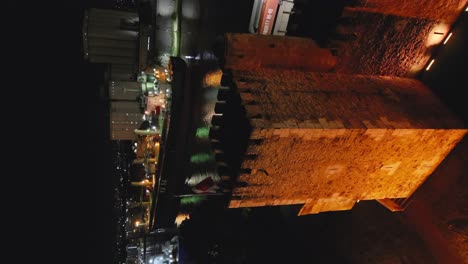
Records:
x=295, y=99
x=327, y=140
x=296, y=166
x=250, y=51
x=392, y=37
x=379, y=44
x=445, y=10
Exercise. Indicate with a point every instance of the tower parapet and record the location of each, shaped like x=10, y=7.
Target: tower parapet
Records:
x=328, y=140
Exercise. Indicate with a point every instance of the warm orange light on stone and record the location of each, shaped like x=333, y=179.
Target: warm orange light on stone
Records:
x=249, y=52
x=329, y=140
x=213, y=78
x=427, y=9
x=437, y=34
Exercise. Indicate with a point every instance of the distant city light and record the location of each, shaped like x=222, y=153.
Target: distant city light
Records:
x=430, y=64
x=137, y=223
x=448, y=37
x=148, y=43
x=466, y=9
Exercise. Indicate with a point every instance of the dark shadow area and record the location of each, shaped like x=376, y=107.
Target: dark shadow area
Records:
x=227, y=16
x=172, y=173
x=317, y=19
x=235, y=131
x=447, y=75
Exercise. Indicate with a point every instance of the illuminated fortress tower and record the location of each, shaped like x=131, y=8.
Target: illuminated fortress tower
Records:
x=320, y=138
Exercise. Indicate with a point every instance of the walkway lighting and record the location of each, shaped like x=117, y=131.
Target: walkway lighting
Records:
x=430, y=64
x=448, y=37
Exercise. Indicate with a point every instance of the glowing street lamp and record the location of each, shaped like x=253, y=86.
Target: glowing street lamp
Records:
x=139, y=224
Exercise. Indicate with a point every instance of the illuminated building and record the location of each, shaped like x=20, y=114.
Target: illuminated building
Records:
x=122, y=72
x=110, y=36
x=123, y=90
x=119, y=39
x=328, y=140
x=270, y=17
x=125, y=117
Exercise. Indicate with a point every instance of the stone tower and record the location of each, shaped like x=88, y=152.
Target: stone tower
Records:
x=321, y=138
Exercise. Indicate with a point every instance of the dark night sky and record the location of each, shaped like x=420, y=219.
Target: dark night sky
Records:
x=95, y=179
x=59, y=99
x=72, y=148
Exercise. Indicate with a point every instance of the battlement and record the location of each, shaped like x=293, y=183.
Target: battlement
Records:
x=328, y=140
